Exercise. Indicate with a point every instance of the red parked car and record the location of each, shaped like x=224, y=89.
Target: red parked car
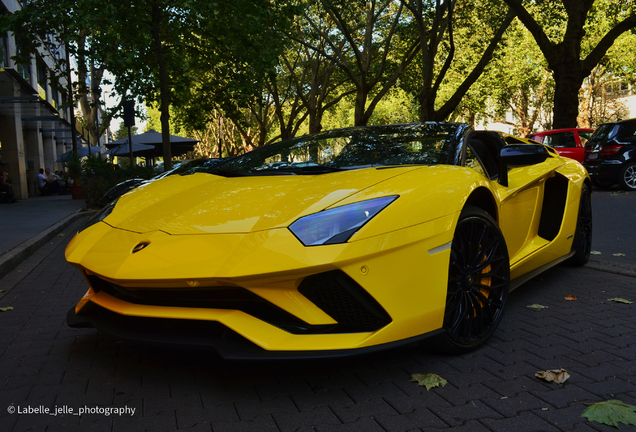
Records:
x=568, y=142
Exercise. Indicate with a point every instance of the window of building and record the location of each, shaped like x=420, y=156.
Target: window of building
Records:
x=55, y=94
x=23, y=64
x=41, y=71
x=4, y=60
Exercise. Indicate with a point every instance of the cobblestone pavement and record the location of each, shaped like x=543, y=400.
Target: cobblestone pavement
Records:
x=47, y=365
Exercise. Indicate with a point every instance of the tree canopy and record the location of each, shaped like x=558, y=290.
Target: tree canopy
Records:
x=240, y=74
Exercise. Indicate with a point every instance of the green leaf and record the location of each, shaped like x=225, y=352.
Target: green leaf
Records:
x=429, y=380
x=537, y=306
x=611, y=412
x=62, y=234
x=620, y=300
x=4, y=309
x=619, y=254
x=595, y=253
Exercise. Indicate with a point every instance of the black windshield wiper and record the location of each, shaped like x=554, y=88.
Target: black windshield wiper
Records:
x=225, y=173
x=312, y=169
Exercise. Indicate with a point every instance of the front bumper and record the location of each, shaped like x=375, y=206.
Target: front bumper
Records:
x=402, y=274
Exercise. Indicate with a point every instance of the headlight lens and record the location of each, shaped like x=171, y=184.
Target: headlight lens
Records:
x=100, y=215
x=337, y=225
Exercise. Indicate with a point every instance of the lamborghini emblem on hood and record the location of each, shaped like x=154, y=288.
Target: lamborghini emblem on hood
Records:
x=140, y=246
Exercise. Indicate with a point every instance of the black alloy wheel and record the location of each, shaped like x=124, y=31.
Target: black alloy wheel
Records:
x=478, y=282
x=582, y=243
x=627, y=177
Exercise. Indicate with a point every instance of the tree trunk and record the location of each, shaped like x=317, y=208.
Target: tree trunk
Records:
x=361, y=117
x=564, y=58
x=164, y=88
x=568, y=81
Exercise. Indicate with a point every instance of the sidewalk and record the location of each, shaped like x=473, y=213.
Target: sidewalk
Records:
x=28, y=224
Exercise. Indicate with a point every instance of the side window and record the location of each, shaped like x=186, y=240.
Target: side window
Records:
x=564, y=139
x=473, y=162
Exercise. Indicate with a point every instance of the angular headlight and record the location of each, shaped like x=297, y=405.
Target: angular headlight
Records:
x=99, y=216
x=337, y=225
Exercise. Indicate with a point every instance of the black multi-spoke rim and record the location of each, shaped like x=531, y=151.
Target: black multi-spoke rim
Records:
x=478, y=282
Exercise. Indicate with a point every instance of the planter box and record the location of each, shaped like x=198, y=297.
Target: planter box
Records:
x=77, y=192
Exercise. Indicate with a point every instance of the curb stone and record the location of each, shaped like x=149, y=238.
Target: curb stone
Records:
x=10, y=259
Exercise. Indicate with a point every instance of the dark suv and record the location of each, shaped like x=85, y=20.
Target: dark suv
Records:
x=610, y=155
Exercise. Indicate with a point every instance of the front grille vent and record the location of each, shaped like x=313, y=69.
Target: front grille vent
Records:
x=345, y=301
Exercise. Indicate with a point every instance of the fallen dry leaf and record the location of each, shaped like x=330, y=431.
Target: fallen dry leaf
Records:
x=559, y=376
x=570, y=297
x=619, y=254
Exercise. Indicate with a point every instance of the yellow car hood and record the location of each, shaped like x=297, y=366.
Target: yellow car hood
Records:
x=205, y=203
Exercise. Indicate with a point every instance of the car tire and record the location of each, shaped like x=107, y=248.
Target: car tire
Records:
x=478, y=282
x=582, y=243
x=627, y=177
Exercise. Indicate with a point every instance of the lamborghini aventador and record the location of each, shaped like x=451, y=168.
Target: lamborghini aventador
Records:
x=341, y=242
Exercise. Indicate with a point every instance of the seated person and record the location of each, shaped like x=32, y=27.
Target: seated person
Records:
x=56, y=177
x=46, y=185
x=52, y=176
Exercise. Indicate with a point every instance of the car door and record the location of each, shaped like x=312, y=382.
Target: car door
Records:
x=520, y=202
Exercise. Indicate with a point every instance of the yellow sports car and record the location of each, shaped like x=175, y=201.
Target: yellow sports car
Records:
x=341, y=242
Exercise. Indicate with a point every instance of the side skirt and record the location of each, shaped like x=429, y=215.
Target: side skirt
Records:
x=516, y=283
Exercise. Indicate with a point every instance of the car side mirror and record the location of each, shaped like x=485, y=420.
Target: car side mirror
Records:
x=519, y=155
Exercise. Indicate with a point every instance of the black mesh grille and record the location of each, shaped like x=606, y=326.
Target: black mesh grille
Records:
x=345, y=301
x=554, y=198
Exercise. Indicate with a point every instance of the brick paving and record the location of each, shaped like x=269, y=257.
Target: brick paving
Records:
x=46, y=364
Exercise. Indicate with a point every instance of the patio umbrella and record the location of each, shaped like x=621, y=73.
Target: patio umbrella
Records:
x=81, y=151
x=124, y=149
x=179, y=145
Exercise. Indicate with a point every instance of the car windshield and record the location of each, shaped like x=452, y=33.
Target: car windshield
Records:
x=195, y=166
x=189, y=167
x=421, y=144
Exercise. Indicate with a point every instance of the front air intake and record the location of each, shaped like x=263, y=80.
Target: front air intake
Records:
x=345, y=301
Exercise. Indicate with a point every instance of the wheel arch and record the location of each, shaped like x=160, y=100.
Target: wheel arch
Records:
x=482, y=198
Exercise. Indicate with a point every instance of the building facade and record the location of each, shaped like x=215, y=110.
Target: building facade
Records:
x=34, y=128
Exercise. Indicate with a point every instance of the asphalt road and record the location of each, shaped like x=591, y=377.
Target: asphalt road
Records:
x=614, y=230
